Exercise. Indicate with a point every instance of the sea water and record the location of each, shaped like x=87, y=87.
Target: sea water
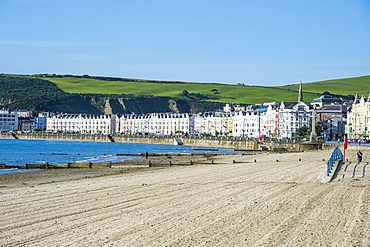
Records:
x=19, y=152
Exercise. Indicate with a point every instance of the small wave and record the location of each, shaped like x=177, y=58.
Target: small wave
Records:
x=16, y=170
x=98, y=159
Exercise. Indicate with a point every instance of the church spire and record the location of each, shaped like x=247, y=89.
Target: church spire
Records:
x=300, y=95
x=356, y=99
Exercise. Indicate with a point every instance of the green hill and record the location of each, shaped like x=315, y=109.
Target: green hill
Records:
x=214, y=92
x=345, y=86
x=93, y=94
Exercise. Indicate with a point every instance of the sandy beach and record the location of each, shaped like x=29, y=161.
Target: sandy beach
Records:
x=265, y=199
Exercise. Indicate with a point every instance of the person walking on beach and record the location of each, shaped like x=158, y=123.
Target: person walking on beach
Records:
x=359, y=156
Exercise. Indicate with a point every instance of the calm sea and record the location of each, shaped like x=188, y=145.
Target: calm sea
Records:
x=19, y=152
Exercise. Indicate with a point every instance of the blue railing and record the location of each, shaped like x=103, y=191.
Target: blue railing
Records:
x=335, y=155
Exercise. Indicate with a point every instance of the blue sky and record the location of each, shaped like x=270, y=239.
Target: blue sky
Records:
x=256, y=42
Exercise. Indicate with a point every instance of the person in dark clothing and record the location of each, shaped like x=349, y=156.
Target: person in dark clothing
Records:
x=359, y=156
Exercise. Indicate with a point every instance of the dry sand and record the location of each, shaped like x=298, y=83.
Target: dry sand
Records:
x=278, y=200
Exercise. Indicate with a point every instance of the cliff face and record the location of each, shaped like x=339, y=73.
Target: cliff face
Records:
x=141, y=105
x=112, y=105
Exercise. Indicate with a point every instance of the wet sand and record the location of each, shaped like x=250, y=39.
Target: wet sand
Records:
x=133, y=165
x=267, y=199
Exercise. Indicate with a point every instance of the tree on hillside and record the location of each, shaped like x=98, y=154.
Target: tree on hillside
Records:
x=185, y=93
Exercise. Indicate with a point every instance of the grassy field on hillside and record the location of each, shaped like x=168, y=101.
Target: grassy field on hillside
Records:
x=224, y=93
x=347, y=86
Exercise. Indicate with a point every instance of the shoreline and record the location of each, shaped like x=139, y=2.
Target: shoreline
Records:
x=135, y=165
x=41, y=154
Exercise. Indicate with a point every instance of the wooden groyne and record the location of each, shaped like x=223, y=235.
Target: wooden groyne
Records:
x=169, y=155
x=144, y=161
x=57, y=166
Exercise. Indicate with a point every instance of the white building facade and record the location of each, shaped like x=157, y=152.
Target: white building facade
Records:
x=292, y=117
x=211, y=123
x=270, y=122
x=80, y=123
x=358, y=120
x=155, y=123
x=247, y=124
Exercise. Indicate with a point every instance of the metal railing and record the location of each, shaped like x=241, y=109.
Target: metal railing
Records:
x=335, y=155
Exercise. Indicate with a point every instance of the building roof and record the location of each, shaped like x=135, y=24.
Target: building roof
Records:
x=327, y=99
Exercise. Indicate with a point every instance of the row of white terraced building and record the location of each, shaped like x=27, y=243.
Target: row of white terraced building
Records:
x=274, y=120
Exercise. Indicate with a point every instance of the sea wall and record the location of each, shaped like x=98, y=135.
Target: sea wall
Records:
x=236, y=143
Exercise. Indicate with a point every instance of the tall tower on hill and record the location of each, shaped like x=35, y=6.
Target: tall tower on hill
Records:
x=300, y=95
